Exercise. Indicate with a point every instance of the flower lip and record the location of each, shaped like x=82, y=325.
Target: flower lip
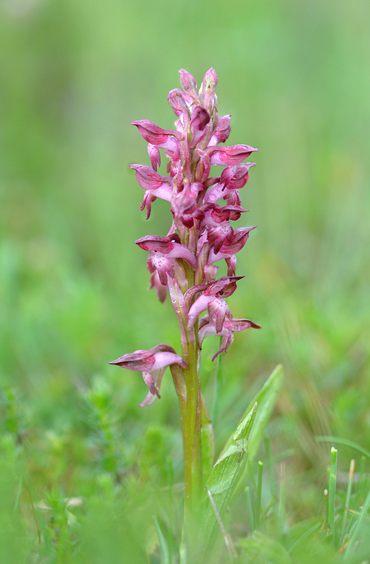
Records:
x=160, y=263
x=156, y=283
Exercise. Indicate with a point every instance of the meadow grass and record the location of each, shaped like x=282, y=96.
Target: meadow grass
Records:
x=87, y=476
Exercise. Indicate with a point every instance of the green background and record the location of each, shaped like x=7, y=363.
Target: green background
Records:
x=73, y=286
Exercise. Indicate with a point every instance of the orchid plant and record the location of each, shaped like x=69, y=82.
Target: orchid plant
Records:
x=184, y=263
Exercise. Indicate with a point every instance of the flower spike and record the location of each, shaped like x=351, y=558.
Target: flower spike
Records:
x=203, y=207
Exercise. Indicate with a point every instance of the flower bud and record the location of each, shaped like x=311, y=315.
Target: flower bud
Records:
x=207, y=94
x=188, y=86
x=177, y=102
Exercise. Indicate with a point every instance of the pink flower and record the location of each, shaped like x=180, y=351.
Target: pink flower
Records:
x=160, y=263
x=222, y=131
x=152, y=364
x=215, y=214
x=184, y=204
x=156, y=186
x=168, y=246
x=229, y=155
x=235, y=177
x=212, y=300
x=220, y=234
x=231, y=245
x=164, y=138
x=149, y=179
x=207, y=327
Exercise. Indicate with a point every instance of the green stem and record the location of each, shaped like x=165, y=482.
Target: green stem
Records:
x=191, y=427
x=189, y=394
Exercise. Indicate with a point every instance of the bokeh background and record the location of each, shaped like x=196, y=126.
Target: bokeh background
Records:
x=73, y=286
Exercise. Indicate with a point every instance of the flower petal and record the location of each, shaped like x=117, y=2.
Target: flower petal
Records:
x=154, y=134
x=149, y=179
x=156, y=283
x=229, y=155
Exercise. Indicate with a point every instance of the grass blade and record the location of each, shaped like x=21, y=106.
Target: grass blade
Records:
x=162, y=542
x=345, y=442
x=358, y=526
x=248, y=494
x=332, y=489
x=348, y=498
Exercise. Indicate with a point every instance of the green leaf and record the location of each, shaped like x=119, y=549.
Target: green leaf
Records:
x=231, y=466
x=265, y=399
x=224, y=478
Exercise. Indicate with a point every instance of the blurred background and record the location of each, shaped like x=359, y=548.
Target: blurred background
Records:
x=73, y=286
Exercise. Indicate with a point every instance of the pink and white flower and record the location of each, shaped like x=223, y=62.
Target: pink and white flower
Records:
x=152, y=364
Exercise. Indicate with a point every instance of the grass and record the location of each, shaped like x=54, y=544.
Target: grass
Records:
x=87, y=476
